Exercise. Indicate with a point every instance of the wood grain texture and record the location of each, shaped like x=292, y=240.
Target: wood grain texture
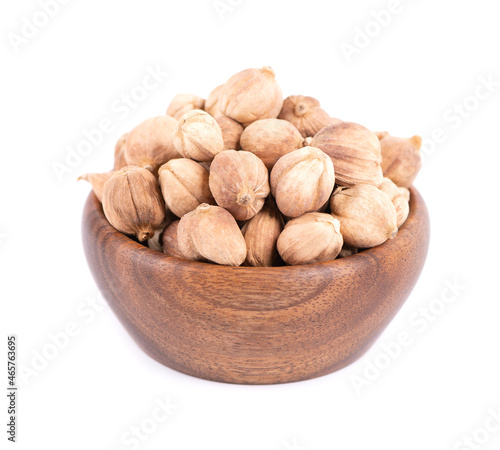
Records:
x=254, y=325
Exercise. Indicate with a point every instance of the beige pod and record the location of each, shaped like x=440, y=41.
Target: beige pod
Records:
x=367, y=215
x=239, y=182
x=132, y=202
x=310, y=238
x=184, y=185
x=211, y=233
x=302, y=181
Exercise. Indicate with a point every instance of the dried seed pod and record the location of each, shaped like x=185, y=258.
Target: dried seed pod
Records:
x=310, y=238
x=231, y=132
x=150, y=145
x=261, y=233
x=239, y=182
x=184, y=185
x=132, y=202
x=381, y=134
x=251, y=95
x=182, y=103
x=389, y=187
x=120, y=160
x=305, y=113
x=302, y=181
x=270, y=139
x=355, y=152
x=334, y=121
x=198, y=136
x=400, y=197
x=405, y=193
x=401, y=159
x=97, y=180
x=170, y=240
x=366, y=214
x=212, y=102
x=402, y=204
x=211, y=233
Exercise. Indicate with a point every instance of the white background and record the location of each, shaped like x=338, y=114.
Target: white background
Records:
x=407, y=79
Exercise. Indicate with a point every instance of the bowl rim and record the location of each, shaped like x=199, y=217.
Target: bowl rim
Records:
x=417, y=210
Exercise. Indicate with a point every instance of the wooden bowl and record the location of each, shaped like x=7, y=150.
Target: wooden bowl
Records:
x=254, y=325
